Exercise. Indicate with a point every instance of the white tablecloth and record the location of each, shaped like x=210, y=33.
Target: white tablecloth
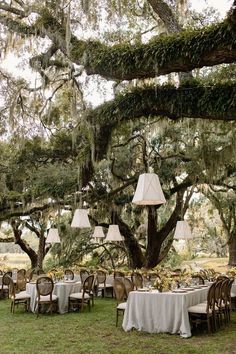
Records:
x=155, y=312
x=61, y=289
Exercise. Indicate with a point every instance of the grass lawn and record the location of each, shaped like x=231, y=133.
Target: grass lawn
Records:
x=95, y=332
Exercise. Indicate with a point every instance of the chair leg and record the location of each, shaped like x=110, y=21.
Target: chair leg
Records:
x=116, y=317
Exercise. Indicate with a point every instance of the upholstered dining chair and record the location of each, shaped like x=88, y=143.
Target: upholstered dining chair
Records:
x=137, y=280
x=44, y=286
x=17, y=298
x=6, y=283
x=205, y=312
x=78, y=300
x=69, y=274
x=101, y=283
x=120, y=293
x=198, y=279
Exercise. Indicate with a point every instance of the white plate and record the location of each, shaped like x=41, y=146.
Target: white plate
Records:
x=179, y=291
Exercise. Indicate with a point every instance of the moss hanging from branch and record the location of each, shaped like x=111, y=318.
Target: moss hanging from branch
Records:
x=181, y=52
x=216, y=102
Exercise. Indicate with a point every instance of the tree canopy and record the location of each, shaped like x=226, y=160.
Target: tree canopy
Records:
x=181, y=126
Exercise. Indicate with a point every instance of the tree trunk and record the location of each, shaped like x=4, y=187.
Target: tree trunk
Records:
x=232, y=250
x=41, y=250
x=136, y=257
x=23, y=244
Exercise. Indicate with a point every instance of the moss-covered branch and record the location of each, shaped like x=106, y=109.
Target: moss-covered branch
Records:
x=179, y=52
x=174, y=53
x=216, y=102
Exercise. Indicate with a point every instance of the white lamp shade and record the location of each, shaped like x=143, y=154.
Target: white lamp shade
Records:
x=182, y=230
x=148, y=190
x=98, y=232
x=53, y=236
x=80, y=219
x=113, y=234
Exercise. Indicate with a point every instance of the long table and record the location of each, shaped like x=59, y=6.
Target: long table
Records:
x=156, y=312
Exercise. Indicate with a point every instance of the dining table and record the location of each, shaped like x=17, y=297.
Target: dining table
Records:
x=162, y=312
x=62, y=289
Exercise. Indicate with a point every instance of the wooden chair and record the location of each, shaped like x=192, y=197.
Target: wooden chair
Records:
x=137, y=280
x=129, y=286
x=204, y=312
x=101, y=283
x=198, y=279
x=120, y=293
x=218, y=301
x=82, y=298
x=44, y=286
x=84, y=273
x=69, y=274
x=227, y=298
x=18, y=298
x=5, y=284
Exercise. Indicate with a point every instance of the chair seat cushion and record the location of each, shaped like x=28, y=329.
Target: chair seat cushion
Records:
x=200, y=308
x=79, y=296
x=22, y=295
x=47, y=298
x=233, y=294
x=121, y=306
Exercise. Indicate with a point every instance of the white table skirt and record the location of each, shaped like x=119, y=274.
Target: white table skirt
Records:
x=156, y=312
x=61, y=289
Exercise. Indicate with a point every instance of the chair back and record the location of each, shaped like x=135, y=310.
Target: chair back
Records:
x=224, y=292
x=137, y=280
x=101, y=277
x=211, y=298
x=218, y=293
x=198, y=278
x=69, y=274
x=21, y=282
x=44, y=286
x=119, y=289
x=88, y=284
x=129, y=286
x=6, y=279
x=11, y=285
x=84, y=273
x=9, y=273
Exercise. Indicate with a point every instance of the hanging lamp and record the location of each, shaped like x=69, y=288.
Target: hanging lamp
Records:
x=98, y=232
x=80, y=219
x=114, y=234
x=148, y=190
x=53, y=236
x=182, y=230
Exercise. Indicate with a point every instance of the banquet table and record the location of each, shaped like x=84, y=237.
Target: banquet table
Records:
x=62, y=289
x=156, y=312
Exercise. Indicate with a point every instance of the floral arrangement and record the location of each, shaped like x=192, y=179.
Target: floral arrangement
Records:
x=163, y=283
